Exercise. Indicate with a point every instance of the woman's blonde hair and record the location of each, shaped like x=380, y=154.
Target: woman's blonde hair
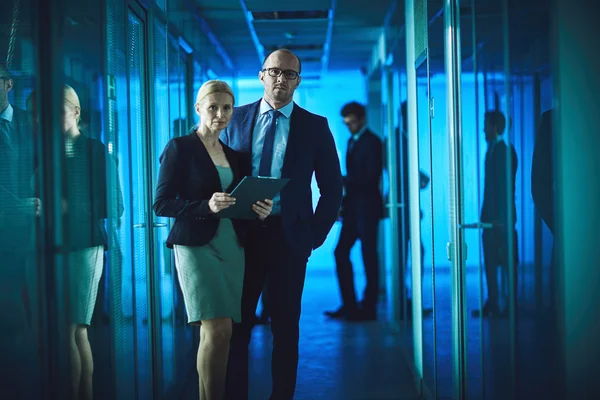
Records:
x=72, y=100
x=212, y=87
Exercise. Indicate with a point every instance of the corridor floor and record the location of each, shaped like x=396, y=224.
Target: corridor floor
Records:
x=338, y=360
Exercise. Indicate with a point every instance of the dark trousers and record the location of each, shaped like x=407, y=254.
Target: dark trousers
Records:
x=366, y=230
x=20, y=365
x=495, y=254
x=270, y=259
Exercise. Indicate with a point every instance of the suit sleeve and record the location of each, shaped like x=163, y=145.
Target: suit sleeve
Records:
x=368, y=173
x=329, y=180
x=167, y=202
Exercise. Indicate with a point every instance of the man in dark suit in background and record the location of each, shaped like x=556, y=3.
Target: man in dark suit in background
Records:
x=284, y=141
x=362, y=208
x=500, y=161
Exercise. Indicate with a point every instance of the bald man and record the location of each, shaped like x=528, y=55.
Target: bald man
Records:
x=282, y=140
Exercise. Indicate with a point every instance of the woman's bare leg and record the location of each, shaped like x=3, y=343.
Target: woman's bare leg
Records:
x=75, y=362
x=198, y=357
x=213, y=355
x=87, y=362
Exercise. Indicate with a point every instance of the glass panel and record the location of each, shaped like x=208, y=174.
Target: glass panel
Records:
x=437, y=183
x=91, y=201
x=425, y=207
x=138, y=186
x=530, y=74
x=22, y=307
x=121, y=270
x=162, y=67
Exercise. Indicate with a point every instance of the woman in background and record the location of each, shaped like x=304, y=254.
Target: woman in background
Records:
x=196, y=173
x=84, y=204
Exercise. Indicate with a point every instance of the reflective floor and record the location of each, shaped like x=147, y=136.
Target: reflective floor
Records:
x=338, y=361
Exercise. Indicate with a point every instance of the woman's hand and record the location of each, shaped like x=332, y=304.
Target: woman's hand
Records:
x=220, y=201
x=263, y=209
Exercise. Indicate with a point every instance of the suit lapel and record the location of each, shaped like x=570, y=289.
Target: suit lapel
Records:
x=235, y=166
x=248, y=126
x=205, y=164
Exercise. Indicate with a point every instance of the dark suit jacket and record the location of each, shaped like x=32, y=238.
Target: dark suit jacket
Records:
x=16, y=173
x=542, y=172
x=87, y=194
x=495, y=208
x=364, y=165
x=187, y=180
x=310, y=149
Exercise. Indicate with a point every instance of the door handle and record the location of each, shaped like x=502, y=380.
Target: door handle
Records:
x=477, y=225
x=154, y=225
x=397, y=205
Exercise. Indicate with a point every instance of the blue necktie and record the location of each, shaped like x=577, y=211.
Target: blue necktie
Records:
x=5, y=131
x=267, y=151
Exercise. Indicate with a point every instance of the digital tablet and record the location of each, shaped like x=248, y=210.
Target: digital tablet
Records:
x=250, y=190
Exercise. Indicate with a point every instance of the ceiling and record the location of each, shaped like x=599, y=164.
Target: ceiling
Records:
x=339, y=35
x=325, y=34
x=333, y=35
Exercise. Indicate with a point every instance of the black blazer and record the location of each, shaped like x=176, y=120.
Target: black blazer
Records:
x=364, y=166
x=187, y=180
x=16, y=171
x=310, y=150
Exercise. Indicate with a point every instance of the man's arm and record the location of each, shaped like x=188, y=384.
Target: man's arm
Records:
x=329, y=180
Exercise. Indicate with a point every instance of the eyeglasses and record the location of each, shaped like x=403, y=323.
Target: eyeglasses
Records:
x=276, y=73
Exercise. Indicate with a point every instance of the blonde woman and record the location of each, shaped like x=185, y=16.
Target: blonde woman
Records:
x=196, y=173
x=85, y=207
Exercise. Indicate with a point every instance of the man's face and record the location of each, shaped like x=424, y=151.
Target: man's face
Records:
x=6, y=85
x=280, y=89
x=353, y=123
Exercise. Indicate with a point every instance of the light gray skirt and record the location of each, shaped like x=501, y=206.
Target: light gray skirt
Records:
x=211, y=277
x=85, y=269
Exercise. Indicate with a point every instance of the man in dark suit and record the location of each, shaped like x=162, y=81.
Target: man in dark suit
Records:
x=499, y=185
x=18, y=211
x=362, y=208
x=284, y=141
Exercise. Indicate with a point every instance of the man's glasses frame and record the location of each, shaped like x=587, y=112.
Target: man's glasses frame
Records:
x=289, y=74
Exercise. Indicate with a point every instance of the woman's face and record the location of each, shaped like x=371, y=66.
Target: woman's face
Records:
x=70, y=117
x=215, y=111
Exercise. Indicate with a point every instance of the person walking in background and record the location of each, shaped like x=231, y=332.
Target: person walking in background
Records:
x=362, y=208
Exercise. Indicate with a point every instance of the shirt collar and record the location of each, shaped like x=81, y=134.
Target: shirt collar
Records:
x=286, y=110
x=7, y=114
x=358, y=134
